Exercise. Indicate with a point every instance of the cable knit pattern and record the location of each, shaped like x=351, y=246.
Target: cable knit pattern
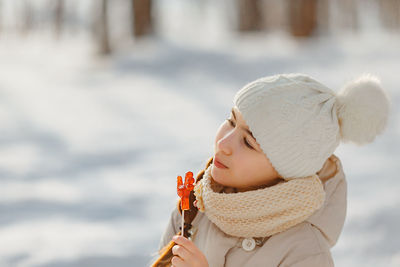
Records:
x=294, y=119
x=262, y=212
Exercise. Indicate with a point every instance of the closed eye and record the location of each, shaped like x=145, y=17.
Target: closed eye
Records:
x=245, y=140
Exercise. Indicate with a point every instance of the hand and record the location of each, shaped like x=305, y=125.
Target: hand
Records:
x=187, y=254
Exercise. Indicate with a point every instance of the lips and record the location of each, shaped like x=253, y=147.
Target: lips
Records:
x=217, y=162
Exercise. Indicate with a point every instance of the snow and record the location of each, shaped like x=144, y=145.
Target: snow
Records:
x=90, y=148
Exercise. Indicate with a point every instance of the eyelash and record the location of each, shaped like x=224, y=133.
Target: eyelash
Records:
x=245, y=140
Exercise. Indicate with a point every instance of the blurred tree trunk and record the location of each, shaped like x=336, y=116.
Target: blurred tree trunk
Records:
x=349, y=14
x=100, y=27
x=141, y=17
x=274, y=14
x=250, y=15
x=27, y=17
x=389, y=11
x=323, y=17
x=58, y=17
x=302, y=17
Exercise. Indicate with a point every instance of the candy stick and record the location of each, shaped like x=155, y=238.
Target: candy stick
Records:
x=183, y=191
x=183, y=222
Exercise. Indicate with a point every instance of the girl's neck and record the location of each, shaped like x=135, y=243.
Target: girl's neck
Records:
x=271, y=183
x=228, y=189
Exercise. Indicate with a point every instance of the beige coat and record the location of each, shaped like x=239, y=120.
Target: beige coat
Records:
x=306, y=244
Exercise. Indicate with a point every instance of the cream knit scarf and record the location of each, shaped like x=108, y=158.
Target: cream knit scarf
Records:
x=262, y=212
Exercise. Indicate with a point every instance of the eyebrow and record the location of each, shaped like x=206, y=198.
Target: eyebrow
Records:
x=247, y=130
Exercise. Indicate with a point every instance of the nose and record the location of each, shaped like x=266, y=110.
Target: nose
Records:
x=224, y=144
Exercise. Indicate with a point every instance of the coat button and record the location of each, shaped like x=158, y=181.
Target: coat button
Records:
x=248, y=244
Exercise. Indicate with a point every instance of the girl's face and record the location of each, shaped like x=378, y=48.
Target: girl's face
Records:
x=247, y=167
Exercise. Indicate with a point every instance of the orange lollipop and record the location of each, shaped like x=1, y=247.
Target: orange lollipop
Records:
x=183, y=191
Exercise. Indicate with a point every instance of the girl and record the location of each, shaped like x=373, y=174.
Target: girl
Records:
x=274, y=194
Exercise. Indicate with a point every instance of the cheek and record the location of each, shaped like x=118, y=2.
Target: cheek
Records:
x=254, y=166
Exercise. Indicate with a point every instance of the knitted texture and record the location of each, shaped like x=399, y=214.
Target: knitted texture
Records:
x=294, y=119
x=262, y=212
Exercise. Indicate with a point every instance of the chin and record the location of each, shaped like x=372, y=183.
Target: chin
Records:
x=216, y=175
x=213, y=172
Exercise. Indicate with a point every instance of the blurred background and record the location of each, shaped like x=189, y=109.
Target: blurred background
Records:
x=103, y=103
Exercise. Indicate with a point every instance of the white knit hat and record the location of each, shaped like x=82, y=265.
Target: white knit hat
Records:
x=299, y=122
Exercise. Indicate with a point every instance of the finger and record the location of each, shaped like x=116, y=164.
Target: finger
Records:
x=182, y=252
x=186, y=243
x=177, y=262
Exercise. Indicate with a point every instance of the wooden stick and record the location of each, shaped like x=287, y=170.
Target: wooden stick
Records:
x=183, y=221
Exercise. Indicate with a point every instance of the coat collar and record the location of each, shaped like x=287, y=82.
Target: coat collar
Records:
x=329, y=219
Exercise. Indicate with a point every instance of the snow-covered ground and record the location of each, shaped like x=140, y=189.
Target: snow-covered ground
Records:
x=90, y=148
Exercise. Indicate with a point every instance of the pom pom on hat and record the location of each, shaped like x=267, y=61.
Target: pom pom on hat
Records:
x=363, y=108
